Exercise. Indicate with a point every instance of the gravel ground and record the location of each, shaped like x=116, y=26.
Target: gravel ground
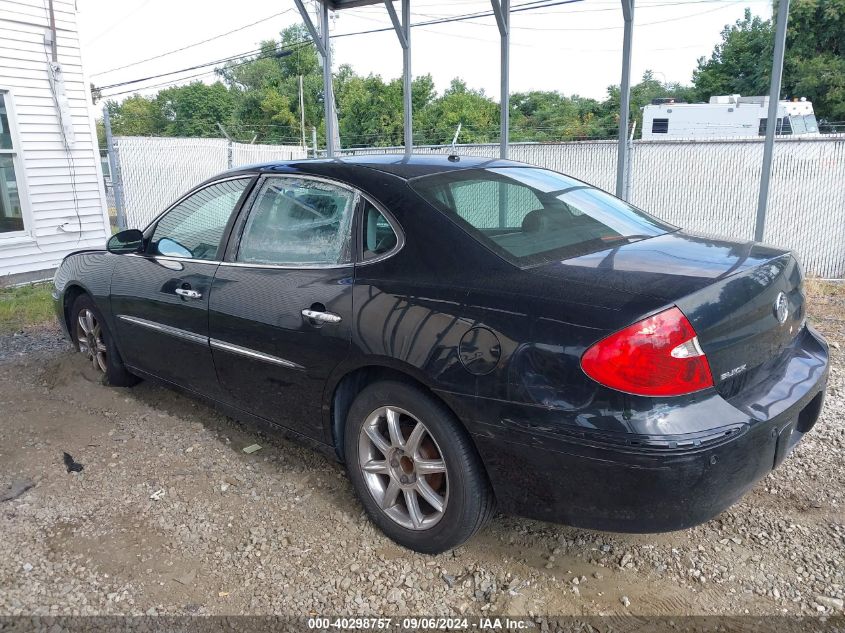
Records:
x=37, y=339
x=170, y=516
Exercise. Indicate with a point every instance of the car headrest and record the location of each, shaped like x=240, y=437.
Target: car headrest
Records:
x=535, y=221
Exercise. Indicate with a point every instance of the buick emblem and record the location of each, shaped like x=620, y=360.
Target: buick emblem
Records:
x=781, y=308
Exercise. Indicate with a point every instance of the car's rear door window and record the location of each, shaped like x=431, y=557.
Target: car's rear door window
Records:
x=530, y=216
x=298, y=221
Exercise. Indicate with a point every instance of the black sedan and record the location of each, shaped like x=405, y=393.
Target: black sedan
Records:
x=465, y=333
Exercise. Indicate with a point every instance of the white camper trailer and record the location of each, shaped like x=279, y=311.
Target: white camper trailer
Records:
x=729, y=116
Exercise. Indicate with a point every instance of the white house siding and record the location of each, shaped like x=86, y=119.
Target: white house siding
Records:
x=48, y=179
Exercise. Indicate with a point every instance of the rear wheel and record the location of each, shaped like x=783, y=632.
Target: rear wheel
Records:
x=94, y=340
x=414, y=468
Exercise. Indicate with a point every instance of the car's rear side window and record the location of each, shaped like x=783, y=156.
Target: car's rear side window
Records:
x=530, y=216
x=296, y=221
x=378, y=237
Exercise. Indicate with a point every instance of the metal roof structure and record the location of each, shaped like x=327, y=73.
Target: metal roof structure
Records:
x=501, y=11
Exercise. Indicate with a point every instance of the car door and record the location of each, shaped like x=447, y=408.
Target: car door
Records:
x=281, y=302
x=160, y=297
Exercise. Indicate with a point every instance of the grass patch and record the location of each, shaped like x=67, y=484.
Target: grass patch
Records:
x=817, y=288
x=25, y=306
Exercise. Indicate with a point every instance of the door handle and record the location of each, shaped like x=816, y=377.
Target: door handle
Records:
x=188, y=293
x=321, y=317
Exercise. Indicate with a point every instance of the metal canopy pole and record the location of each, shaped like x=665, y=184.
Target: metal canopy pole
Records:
x=403, y=32
x=321, y=41
x=624, y=98
x=771, y=121
x=502, y=11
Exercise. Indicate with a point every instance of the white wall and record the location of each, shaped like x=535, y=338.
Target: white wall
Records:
x=47, y=176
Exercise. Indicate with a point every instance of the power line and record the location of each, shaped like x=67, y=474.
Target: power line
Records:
x=276, y=53
x=118, y=21
x=186, y=47
x=522, y=7
x=527, y=6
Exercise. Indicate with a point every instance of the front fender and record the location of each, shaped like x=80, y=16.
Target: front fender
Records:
x=85, y=271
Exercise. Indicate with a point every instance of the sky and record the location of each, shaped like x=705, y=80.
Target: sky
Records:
x=573, y=48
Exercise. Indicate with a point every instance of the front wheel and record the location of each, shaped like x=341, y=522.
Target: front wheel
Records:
x=94, y=340
x=415, y=469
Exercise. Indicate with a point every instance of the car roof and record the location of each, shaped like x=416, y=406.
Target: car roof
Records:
x=399, y=165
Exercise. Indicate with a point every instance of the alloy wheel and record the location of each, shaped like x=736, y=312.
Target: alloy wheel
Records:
x=403, y=468
x=89, y=335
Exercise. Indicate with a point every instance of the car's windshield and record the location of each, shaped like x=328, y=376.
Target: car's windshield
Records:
x=531, y=216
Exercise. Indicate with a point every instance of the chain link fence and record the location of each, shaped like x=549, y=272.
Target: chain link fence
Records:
x=711, y=186
x=154, y=172
x=707, y=186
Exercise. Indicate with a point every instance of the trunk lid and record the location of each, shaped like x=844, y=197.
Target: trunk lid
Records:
x=728, y=290
x=747, y=319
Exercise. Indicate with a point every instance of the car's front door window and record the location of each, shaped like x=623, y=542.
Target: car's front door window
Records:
x=194, y=227
x=298, y=221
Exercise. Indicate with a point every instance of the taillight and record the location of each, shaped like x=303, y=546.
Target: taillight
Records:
x=658, y=356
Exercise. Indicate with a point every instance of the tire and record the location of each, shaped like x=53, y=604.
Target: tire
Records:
x=84, y=315
x=439, y=458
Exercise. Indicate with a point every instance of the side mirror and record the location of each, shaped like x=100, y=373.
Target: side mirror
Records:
x=128, y=241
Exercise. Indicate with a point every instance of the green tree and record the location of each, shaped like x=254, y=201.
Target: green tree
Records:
x=550, y=116
x=477, y=114
x=815, y=55
x=265, y=89
x=741, y=63
x=371, y=110
x=814, y=60
x=195, y=109
x=136, y=116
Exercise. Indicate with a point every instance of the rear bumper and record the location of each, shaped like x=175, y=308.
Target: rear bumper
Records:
x=653, y=483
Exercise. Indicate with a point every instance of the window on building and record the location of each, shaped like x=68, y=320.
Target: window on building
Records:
x=11, y=208
x=660, y=126
x=782, y=128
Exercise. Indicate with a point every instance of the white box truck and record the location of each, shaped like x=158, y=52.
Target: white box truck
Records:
x=728, y=116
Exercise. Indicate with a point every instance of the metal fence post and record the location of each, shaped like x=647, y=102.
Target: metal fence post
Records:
x=114, y=168
x=314, y=142
x=230, y=148
x=629, y=164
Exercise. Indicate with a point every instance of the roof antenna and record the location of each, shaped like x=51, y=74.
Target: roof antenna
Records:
x=453, y=157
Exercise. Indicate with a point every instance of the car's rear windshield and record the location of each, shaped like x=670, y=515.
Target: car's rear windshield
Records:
x=531, y=216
